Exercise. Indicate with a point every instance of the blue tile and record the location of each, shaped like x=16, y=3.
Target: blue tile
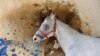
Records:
x=14, y=55
x=3, y=47
x=13, y=50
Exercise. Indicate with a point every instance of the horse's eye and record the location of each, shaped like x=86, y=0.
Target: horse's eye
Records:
x=46, y=26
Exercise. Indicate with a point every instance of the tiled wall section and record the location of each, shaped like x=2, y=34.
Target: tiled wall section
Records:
x=14, y=48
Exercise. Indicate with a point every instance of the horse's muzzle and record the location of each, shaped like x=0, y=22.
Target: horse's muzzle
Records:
x=36, y=39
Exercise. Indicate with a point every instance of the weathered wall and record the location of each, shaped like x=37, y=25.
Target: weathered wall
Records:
x=19, y=19
x=88, y=11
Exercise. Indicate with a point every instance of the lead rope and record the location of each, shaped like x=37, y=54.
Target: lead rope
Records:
x=36, y=52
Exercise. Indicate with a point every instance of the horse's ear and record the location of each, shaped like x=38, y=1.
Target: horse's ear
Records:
x=52, y=15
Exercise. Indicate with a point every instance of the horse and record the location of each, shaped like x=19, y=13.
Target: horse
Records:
x=71, y=41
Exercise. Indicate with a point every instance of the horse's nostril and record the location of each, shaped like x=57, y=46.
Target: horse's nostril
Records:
x=35, y=38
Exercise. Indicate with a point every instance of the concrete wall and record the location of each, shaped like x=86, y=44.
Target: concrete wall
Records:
x=88, y=11
x=19, y=19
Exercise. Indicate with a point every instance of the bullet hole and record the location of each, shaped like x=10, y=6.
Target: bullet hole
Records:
x=5, y=39
x=32, y=24
x=14, y=33
x=18, y=43
x=24, y=40
x=13, y=50
x=15, y=30
x=23, y=46
x=37, y=5
x=21, y=18
x=62, y=1
x=27, y=50
x=32, y=54
x=23, y=53
x=19, y=52
x=86, y=24
x=8, y=33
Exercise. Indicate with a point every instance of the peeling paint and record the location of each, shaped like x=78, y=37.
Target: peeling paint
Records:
x=8, y=48
x=3, y=48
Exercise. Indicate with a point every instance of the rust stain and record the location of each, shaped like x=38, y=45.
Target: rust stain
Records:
x=67, y=14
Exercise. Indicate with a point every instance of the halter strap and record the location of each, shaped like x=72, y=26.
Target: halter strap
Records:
x=53, y=30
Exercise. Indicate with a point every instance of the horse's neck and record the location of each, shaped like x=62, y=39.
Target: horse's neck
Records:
x=65, y=32
x=66, y=35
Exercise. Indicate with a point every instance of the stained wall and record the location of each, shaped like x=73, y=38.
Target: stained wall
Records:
x=19, y=20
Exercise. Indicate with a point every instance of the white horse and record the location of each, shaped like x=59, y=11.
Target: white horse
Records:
x=72, y=42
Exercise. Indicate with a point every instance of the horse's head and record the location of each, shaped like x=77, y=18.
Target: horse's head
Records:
x=47, y=29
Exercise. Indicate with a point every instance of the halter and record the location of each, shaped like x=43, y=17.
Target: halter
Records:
x=53, y=30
